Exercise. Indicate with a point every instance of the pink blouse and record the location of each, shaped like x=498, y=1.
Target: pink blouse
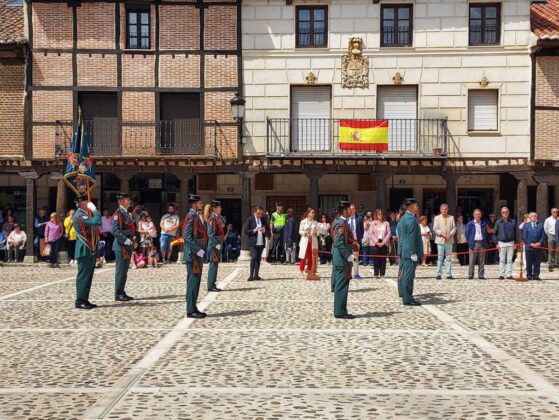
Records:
x=378, y=230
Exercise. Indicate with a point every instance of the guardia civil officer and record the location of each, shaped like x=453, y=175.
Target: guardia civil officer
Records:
x=410, y=251
x=86, y=225
x=123, y=230
x=342, y=260
x=195, y=245
x=216, y=236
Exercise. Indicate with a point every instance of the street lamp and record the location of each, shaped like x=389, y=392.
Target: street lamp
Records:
x=238, y=107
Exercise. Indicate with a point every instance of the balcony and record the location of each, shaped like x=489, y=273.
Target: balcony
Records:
x=314, y=137
x=110, y=137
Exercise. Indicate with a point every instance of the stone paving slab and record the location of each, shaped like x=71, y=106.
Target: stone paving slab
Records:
x=86, y=359
x=175, y=405
x=316, y=315
x=537, y=350
x=47, y=406
x=40, y=273
x=114, y=315
x=353, y=360
x=511, y=317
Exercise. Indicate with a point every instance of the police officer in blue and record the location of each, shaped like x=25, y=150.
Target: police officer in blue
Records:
x=195, y=245
x=123, y=230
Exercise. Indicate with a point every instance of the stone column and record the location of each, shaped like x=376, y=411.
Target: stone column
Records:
x=246, y=203
x=380, y=181
x=521, y=198
x=451, y=195
x=125, y=178
x=313, y=188
x=60, y=194
x=184, y=178
x=30, y=211
x=542, y=198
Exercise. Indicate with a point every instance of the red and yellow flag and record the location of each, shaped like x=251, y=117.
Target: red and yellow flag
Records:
x=363, y=135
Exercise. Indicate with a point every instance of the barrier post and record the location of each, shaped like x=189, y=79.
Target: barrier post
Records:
x=521, y=276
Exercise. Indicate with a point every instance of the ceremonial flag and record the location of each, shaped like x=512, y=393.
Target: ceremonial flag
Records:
x=363, y=135
x=79, y=174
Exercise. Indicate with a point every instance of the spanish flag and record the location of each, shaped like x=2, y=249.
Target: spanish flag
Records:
x=364, y=135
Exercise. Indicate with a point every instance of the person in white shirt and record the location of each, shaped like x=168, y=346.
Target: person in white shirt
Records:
x=169, y=225
x=308, y=230
x=106, y=222
x=444, y=229
x=549, y=228
x=16, y=243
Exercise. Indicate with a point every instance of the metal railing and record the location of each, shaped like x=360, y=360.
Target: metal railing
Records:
x=110, y=137
x=292, y=137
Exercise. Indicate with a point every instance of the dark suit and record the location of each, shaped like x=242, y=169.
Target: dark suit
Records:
x=532, y=235
x=255, y=249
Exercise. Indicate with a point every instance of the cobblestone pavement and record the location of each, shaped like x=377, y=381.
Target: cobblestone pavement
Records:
x=272, y=349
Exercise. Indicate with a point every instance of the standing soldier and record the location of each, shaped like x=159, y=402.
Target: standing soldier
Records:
x=195, y=243
x=86, y=226
x=216, y=236
x=410, y=251
x=342, y=260
x=123, y=230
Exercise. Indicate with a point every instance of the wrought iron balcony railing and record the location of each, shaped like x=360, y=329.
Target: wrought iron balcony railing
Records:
x=315, y=137
x=110, y=137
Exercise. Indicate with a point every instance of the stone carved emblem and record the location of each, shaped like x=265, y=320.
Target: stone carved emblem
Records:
x=355, y=67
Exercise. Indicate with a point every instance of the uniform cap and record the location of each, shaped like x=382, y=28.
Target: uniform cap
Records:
x=216, y=203
x=409, y=201
x=343, y=205
x=121, y=194
x=80, y=198
x=193, y=198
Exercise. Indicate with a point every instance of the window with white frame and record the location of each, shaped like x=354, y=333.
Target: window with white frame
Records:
x=483, y=110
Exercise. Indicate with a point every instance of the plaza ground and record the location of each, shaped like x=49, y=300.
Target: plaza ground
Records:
x=272, y=349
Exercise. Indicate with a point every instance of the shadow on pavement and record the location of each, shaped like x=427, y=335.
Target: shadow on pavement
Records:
x=377, y=314
x=160, y=297
x=367, y=289
x=434, y=299
x=234, y=313
x=240, y=289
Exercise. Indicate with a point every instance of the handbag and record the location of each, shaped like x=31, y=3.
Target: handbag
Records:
x=46, y=250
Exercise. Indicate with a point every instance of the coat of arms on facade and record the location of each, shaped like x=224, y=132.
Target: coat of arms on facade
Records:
x=355, y=67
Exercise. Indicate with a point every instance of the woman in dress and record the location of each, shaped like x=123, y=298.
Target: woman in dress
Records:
x=378, y=236
x=324, y=240
x=308, y=230
x=425, y=238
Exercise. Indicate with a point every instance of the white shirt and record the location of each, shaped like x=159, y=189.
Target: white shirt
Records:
x=479, y=235
x=549, y=225
x=260, y=236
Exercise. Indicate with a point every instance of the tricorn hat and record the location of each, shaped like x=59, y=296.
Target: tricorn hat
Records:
x=80, y=198
x=192, y=198
x=216, y=203
x=343, y=205
x=409, y=201
x=121, y=194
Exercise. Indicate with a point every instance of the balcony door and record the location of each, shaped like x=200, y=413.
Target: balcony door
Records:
x=100, y=116
x=311, y=129
x=399, y=104
x=180, y=130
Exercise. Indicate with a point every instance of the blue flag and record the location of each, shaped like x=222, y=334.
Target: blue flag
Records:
x=79, y=174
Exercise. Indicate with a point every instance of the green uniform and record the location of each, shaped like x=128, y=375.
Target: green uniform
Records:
x=216, y=235
x=409, y=243
x=86, y=250
x=122, y=229
x=195, y=239
x=341, y=250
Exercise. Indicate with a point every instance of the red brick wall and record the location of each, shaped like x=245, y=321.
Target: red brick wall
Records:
x=179, y=28
x=138, y=70
x=12, y=85
x=52, y=25
x=221, y=71
x=547, y=121
x=96, y=25
x=97, y=70
x=220, y=28
x=218, y=106
x=52, y=105
x=179, y=71
x=52, y=69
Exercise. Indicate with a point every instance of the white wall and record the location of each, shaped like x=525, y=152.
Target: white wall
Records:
x=440, y=62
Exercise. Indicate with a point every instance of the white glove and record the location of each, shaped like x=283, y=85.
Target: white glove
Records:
x=127, y=242
x=218, y=247
x=200, y=253
x=351, y=258
x=91, y=206
x=414, y=257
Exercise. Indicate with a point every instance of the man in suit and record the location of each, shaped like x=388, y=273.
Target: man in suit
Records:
x=86, y=225
x=476, y=235
x=195, y=244
x=123, y=230
x=444, y=228
x=410, y=251
x=342, y=260
x=357, y=226
x=257, y=229
x=533, y=236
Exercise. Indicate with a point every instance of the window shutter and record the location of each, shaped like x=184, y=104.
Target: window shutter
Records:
x=482, y=110
x=310, y=110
